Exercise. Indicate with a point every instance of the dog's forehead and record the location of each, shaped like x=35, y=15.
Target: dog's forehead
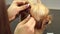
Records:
x=34, y=1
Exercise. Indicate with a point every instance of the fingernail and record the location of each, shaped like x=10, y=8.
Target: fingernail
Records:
x=29, y=15
x=27, y=5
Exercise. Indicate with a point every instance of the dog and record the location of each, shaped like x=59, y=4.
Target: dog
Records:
x=39, y=12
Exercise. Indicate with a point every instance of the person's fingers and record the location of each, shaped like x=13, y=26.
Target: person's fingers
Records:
x=23, y=7
x=19, y=2
x=25, y=20
x=20, y=5
x=31, y=23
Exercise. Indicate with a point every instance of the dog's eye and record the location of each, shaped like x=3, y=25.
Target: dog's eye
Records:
x=46, y=23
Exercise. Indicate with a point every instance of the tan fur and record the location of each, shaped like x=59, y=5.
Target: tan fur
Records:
x=39, y=11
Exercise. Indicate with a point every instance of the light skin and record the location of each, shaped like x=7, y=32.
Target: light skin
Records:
x=15, y=9
x=27, y=25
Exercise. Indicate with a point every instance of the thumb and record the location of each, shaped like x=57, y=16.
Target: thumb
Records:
x=25, y=20
x=31, y=23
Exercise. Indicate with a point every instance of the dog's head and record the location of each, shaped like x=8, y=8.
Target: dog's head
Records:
x=39, y=12
x=41, y=15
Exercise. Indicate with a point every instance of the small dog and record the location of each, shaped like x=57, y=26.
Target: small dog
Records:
x=40, y=13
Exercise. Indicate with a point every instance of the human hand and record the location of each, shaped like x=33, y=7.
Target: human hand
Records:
x=15, y=9
x=26, y=26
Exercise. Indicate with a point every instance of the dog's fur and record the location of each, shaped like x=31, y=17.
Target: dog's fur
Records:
x=39, y=12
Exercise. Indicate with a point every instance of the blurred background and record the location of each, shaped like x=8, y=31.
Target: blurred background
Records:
x=54, y=7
